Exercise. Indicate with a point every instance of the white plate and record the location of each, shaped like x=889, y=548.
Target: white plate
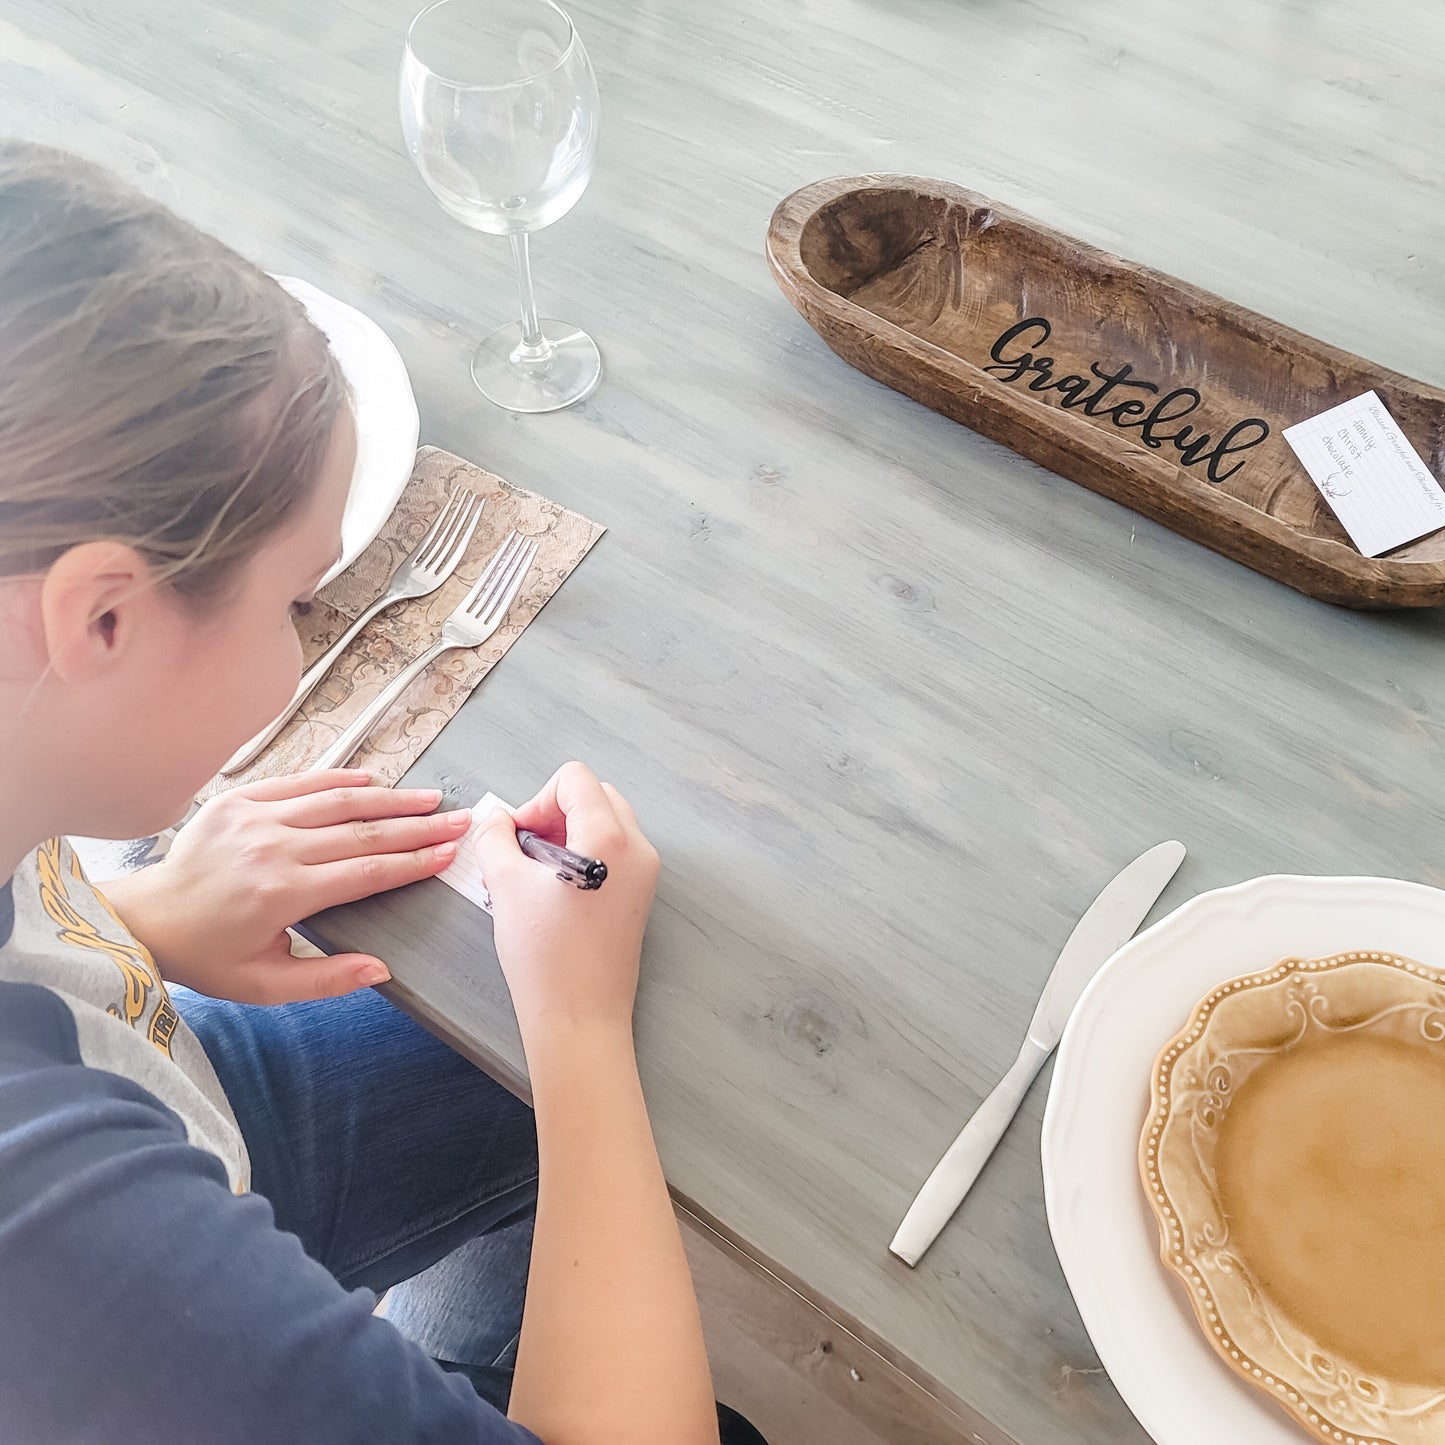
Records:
x=1136, y=1315
x=387, y=425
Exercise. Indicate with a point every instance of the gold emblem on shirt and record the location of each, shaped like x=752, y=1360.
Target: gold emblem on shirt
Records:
x=137, y=967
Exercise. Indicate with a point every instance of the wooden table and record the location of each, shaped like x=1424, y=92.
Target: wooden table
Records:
x=893, y=702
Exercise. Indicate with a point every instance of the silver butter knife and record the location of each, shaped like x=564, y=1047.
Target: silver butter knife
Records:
x=1109, y=923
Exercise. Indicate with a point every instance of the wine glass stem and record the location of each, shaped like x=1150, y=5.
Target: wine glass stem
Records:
x=535, y=348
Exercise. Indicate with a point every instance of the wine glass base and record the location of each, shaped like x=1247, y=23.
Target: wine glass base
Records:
x=569, y=373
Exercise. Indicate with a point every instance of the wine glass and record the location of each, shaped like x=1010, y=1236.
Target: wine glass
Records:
x=499, y=110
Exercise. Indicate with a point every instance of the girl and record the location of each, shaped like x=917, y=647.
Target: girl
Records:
x=208, y=1162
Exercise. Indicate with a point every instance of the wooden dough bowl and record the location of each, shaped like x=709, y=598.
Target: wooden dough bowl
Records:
x=1125, y=380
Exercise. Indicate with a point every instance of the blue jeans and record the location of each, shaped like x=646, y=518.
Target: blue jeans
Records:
x=397, y=1163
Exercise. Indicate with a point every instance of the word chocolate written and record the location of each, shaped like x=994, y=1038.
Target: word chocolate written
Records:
x=1152, y=420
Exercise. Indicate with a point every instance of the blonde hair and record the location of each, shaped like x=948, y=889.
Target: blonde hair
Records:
x=155, y=387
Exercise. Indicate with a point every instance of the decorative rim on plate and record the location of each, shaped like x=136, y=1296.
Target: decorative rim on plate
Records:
x=1196, y=1073
x=1138, y=1318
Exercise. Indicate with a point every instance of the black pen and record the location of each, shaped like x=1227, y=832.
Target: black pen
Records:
x=571, y=867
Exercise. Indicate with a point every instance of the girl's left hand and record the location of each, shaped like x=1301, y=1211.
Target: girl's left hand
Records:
x=254, y=861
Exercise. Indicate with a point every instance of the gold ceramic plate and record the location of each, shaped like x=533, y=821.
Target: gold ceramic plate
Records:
x=1294, y=1157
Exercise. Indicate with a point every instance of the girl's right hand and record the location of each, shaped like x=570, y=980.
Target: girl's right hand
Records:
x=570, y=956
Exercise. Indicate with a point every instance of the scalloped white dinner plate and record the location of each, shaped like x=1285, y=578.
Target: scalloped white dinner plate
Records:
x=1135, y=1312
x=387, y=425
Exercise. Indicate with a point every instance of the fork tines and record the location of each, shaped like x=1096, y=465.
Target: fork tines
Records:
x=435, y=550
x=501, y=579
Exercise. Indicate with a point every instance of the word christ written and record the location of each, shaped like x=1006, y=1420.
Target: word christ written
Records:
x=1153, y=420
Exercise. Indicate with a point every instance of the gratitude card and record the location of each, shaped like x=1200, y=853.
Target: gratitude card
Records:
x=1366, y=469
x=465, y=872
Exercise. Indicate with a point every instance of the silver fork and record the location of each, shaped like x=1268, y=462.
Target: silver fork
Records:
x=432, y=562
x=475, y=619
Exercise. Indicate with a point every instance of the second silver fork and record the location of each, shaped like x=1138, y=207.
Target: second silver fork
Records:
x=430, y=563
x=473, y=621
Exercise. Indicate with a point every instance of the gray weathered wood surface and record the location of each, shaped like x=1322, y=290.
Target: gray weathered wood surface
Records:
x=893, y=702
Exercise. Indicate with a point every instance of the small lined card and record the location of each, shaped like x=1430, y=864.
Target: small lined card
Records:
x=1373, y=479
x=465, y=873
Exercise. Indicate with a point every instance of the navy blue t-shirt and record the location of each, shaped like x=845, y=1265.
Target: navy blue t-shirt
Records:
x=145, y=1297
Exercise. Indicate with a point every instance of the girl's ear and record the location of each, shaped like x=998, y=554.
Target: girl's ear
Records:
x=91, y=601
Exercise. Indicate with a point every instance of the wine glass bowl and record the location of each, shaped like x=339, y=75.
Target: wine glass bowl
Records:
x=499, y=110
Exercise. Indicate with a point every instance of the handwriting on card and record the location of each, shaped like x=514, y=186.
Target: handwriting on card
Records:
x=465, y=872
x=1374, y=481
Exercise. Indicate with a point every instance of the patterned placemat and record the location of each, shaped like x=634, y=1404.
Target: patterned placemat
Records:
x=391, y=639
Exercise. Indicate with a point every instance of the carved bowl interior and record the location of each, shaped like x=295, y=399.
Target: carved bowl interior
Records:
x=1101, y=341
